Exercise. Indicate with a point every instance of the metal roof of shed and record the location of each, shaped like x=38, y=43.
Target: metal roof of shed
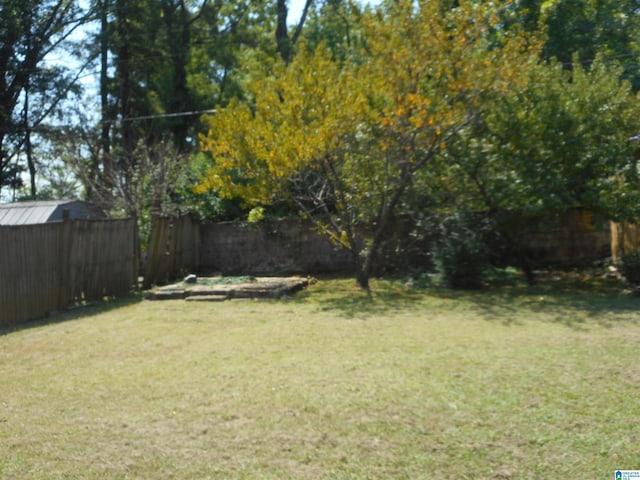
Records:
x=29, y=213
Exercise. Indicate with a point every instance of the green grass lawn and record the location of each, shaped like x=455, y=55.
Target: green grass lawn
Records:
x=510, y=382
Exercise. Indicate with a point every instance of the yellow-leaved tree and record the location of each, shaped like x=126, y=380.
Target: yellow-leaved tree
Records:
x=343, y=140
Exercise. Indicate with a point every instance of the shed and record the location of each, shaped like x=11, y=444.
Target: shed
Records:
x=29, y=213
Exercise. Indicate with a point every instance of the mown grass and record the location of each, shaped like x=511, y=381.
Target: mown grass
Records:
x=509, y=382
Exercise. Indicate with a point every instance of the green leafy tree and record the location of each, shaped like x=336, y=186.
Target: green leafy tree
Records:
x=578, y=30
x=162, y=62
x=556, y=141
x=338, y=24
x=31, y=91
x=344, y=141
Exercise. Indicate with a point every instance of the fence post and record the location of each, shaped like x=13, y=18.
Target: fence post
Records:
x=64, y=261
x=137, y=254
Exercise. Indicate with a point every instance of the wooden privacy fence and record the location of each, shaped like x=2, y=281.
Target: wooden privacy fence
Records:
x=173, y=249
x=46, y=267
x=625, y=239
x=180, y=245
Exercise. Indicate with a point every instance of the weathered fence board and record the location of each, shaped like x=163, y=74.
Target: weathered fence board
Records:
x=574, y=237
x=173, y=249
x=44, y=268
x=625, y=239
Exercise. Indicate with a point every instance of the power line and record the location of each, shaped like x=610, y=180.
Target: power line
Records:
x=144, y=117
x=164, y=115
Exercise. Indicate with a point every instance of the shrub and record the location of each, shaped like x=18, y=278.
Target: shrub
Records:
x=461, y=253
x=256, y=215
x=629, y=267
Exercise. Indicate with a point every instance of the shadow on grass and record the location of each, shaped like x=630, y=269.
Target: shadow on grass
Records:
x=75, y=312
x=346, y=298
x=570, y=307
x=570, y=299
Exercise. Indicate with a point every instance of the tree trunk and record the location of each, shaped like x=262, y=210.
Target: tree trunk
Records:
x=27, y=145
x=103, y=184
x=31, y=164
x=283, y=41
x=363, y=272
x=364, y=264
x=124, y=82
x=180, y=53
x=282, y=36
